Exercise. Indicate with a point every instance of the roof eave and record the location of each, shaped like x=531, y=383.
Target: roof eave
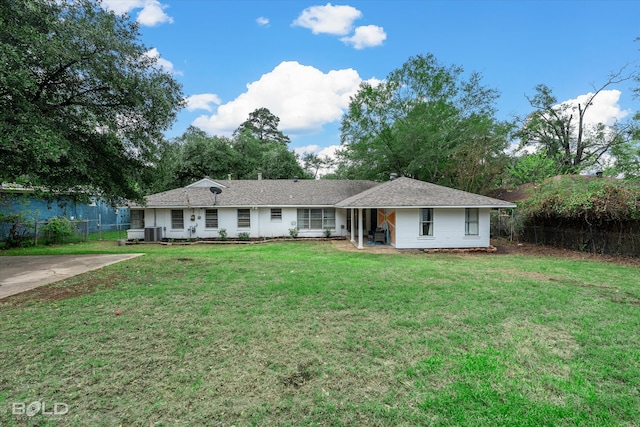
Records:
x=427, y=206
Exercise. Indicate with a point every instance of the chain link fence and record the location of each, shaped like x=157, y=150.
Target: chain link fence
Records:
x=26, y=233
x=621, y=243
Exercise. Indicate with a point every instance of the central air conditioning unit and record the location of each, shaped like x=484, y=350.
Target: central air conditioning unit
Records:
x=153, y=234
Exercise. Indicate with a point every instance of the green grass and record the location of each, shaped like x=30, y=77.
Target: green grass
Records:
x=298, y=333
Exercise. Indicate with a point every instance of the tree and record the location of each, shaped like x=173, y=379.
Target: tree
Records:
x=312, y=163
x=81, y=105
x=203, y=155
x=421, y=122
x=527, y=168
x=560, y=131
x=263, y=126
x=195, y=154
x=262, y=148
x=279, y=163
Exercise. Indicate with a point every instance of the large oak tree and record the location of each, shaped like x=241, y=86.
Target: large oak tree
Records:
x=82, y=107
x=426, y=121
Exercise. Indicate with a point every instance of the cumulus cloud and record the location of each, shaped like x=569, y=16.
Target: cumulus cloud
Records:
x=303, y=97
x=366, y=36
x=262, y=21
x=328, y=19
x=604, y=108
x=338, y=20
x=122, y=6
x=202, y=101
x=151, y=13
x=161, y=62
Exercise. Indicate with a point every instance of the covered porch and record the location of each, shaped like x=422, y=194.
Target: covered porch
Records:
x=371, y=227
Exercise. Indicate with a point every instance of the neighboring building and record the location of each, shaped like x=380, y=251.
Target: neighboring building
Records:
x=16, y=199
x=402, y=212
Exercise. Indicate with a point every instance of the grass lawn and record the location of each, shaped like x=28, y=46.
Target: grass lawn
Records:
x=299, y=333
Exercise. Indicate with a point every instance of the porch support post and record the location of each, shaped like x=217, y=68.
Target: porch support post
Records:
x=360, y=225
x=353, y=232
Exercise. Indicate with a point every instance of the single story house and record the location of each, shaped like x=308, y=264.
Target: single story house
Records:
x=402, y=212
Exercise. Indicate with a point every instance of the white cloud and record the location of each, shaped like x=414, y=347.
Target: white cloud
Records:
x=122, y=6
x=202, y=101
x=328, y=19
x=151, y=13
x=366, y=36
x=161, y=62
x=303, y=97
x=604, y=108
x=262, y=21
x=306, y=149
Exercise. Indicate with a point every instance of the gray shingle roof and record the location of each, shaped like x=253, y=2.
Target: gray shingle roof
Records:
x=407, y=192
x=401, y=192
x=304, y=192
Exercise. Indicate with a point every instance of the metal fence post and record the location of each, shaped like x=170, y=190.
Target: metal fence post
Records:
x=100, y=226
x=35, y=235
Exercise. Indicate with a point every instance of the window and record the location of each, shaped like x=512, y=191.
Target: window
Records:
x=329, y=219
x=471, y=221
x=137, y=218
x=211, y=218
x=177, y=220
x=316, y=219
x=426, y=222
x=303, y=219
x=276, y=215
x=244, y=218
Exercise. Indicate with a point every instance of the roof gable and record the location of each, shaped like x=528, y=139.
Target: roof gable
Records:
x=205, y=182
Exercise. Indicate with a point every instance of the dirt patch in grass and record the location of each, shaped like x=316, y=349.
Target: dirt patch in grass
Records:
x=64, y=289
x=505, y=247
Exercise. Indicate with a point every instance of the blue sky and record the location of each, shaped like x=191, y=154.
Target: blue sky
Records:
x=304, y=59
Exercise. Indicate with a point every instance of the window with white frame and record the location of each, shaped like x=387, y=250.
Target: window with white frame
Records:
x=471, y=221
x=244, y=218
x=177, y=219
x=426, y=222
x=211, y=218
x=136, y=217
x=329, y=218
x=316, y=219
x=276, y=215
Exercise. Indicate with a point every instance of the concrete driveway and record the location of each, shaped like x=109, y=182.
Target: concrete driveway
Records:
x=22, y=273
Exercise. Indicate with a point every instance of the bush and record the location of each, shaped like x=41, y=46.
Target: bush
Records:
x=582, y=200
x=222, y=234
x=58, y=228
x=327, y=232
x=16, y=234
x=243, y=236
x=293, y=232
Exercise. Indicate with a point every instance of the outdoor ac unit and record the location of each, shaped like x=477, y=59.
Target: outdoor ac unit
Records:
x=153, y=234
